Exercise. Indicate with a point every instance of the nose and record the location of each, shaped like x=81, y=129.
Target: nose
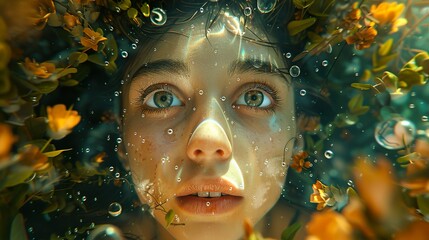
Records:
x=209, y=143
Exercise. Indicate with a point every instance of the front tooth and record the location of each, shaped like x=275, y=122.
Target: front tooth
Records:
x=203, y=194
x=215, y=194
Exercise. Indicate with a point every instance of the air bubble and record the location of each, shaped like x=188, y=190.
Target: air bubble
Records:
x=247, y=11
x=87, y=150
x=201, y=10
x=302, y=92
x=158, y=17
x=124, y=54
x=115, y=209
x=116, y=93
x=294, y=71
x=179, y=179
x=424, y=118
x=266, y=6
x=133, y=46
x=111, y=168
x=394, y=133
x=325, y=63
x=329, y=154
x=117, y=175
x=207, y=204
x=83, y=199
x=176, y=167
x=170, y=131
x=201, y=92
x=223, y=98
x=288, y=55
x=119, y=140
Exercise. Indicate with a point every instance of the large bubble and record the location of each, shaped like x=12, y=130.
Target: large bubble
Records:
x=395, y=133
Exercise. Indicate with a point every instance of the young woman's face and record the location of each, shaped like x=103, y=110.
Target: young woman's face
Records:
x=207, y=127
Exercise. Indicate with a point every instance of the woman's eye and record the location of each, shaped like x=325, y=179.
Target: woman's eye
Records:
x=254, y=98
x=162, y=99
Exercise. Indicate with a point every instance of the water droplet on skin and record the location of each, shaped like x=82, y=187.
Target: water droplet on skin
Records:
x=201, y=92
x=294, y=71
x=176, y=167
x=223, y=98
x=133, y=46
x=393, y=133
x=179, y=179
x=158, y=17
x=266, y=6
x=170, y=131
x=247, y=11
x=325, y=63
x=288, y=55
x=115, y=209
x=119, y=140
x=329, y=154
x=283, y=164
x=302, y=92
x=207, y=204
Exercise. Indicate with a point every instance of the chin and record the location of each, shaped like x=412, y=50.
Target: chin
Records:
x=208, y=231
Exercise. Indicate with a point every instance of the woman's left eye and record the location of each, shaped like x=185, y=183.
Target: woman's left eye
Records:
x=254, y=98
x=162, y=99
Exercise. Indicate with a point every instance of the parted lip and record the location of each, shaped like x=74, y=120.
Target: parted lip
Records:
x=209, y=185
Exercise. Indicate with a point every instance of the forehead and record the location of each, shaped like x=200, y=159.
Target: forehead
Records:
x=223, y=40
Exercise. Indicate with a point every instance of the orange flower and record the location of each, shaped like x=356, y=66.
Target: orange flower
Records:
x=328, y=225
x=70, y=21
x=363, y=38
x=31, y=156
x=40, y=70
x=299, y=162
x=322, y=195
x=92, y=39
x=6, y=139
x=354, y=212
x=99, y=158
x=351, y=20
x=387, y=14
x=417, y=230
x=61, y=121
x=41, y=12
x=417, y=180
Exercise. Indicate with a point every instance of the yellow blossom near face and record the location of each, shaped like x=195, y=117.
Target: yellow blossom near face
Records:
x=91, y=39
x=40, y=70
x=363, y=38
x=31, y=156
x=387, y=13
x=328, y=225
x=40, y=12
x=6, y=141
x=61, y=121
x=322, y=195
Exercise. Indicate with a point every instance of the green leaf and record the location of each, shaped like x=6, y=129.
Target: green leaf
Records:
x=297, y=26
x=410, y=78
x=408, y=158
x=132, y=13
x=356, y=102
x=362, y=86
x=47, y=87
x=385, y=47
x=124, y=4
x=55, y=153
x=112, y=48
x=52, y=207
x=169, y=217
x=423, y=203
x=290, y=231
x=300, y=4
x=69, y=83
x=351, y=193
x=18, y=176
x=61, y=72
x=17, y=231
x=145, y=9
x=77, y=58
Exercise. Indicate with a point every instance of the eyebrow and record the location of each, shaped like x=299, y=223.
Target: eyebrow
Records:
x=249, y=65
x=165, y=66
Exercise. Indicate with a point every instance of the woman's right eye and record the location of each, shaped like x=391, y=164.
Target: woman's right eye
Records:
x=161, y=99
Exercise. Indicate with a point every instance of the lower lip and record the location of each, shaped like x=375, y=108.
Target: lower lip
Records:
x=208, y=206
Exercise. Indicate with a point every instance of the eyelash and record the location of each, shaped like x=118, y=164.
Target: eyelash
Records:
x=263, y=86
x=271, y=91
x=143, y=93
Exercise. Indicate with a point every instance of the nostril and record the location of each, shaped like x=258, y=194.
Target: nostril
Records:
x=220, y=152
x=198, y=152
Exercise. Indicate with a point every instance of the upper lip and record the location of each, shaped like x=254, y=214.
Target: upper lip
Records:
x=209, y=185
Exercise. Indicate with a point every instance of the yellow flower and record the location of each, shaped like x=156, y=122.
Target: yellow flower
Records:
x=61, y=121
x=41, y=12
x=92, y=39
x=40, y=70
x=328, y=225
x=387, y=14
x=6, y=139
x=299, y=162
x=31, y=156
x=322, y=195
x=363, y=38
x=70, y=21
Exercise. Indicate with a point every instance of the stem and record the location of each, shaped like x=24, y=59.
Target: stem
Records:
x=414, y=27
x=46, y=145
